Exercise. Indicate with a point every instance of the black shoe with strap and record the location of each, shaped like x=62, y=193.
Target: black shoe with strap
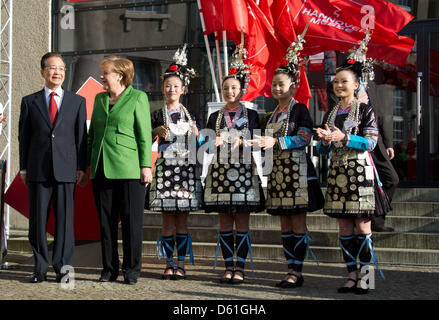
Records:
x=359, y=289
x=288, y=284
x=348, y=289
x=168, y=276
x=225, y=279
x=178, y=276
x=236, y=280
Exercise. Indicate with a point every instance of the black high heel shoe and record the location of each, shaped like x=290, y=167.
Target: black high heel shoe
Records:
x=348, y=289
x=288, y=284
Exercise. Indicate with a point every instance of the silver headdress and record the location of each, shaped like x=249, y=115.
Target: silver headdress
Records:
x=179, y=67
x=292, y=60
x=359, y=63
x=238, y=69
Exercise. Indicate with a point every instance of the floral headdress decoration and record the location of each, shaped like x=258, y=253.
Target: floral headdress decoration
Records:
x=238, y=69
x=357, y=61
x=292, y=61
x=180, y=68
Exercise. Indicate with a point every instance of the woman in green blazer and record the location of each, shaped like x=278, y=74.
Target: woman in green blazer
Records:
x=119, y=155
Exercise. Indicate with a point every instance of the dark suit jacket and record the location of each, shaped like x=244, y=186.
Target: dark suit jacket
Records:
x=48, y=152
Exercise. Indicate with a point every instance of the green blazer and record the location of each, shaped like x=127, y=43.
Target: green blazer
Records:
x=122, y=135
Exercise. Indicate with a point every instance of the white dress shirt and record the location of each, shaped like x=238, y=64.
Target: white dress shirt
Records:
x=58, y=97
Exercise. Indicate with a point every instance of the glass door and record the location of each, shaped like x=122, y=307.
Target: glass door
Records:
x=394, y=97
x=416, y=109
x=432, y=101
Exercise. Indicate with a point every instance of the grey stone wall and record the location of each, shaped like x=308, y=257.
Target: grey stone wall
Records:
x=31, y=39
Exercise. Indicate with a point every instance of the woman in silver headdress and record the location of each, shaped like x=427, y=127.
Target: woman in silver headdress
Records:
x=232, y=189
x=354, y=194
x=176, y=189
x=292, y=187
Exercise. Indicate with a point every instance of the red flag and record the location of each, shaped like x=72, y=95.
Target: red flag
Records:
x=333, y=29
x=225, y=15
x=265, y=52
x=386, y=20
x=283, y=21
x=387, y=16
x=212, y=17
x=303, y=92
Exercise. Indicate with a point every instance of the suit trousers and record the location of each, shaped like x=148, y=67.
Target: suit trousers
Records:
x=41, y=196
x=389, y=178
x=124, y=198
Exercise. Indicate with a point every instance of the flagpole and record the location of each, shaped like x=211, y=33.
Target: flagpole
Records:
x=209, y=55
x=226, y=56
x=218, y=58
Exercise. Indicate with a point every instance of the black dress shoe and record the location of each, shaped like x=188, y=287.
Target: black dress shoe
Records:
x=107, y=276
x=60, y=276
x=38, y=277
x=130, y=281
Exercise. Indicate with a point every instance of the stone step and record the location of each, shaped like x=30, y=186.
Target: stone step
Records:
x=415, y=209
x=416, y=195
x=314, y=222
x=274, y=252
x=397, y=240
x=323, y=254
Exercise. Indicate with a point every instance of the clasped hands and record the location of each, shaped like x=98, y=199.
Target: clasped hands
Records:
x=220, y=140
x=327, y=135
x=162, y=131
x=265, y=142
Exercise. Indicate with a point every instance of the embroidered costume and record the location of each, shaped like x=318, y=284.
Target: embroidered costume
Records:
x=292, y=185
x=232, y=186
x=176, y=186
x=354, y=189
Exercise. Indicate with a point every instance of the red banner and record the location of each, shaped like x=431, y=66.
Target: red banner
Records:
x=333, y=29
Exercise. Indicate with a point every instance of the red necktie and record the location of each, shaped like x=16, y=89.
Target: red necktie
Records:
x=53, y=108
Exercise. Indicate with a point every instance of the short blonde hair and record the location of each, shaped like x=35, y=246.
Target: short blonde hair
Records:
x=122, y=66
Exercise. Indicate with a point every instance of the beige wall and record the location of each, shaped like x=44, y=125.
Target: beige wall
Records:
x=31, y=39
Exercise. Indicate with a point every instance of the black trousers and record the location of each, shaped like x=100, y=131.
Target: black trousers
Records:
x=389, y=178
x=41, y=196
x=124, y=198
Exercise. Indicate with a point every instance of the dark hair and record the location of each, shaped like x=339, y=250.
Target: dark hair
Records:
x=356, y=68
x=289, y=74
x=241, y=82
x=48, y=56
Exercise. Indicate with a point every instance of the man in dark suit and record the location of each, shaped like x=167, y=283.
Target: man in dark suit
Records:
x=52, y=143
x=383, y=152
